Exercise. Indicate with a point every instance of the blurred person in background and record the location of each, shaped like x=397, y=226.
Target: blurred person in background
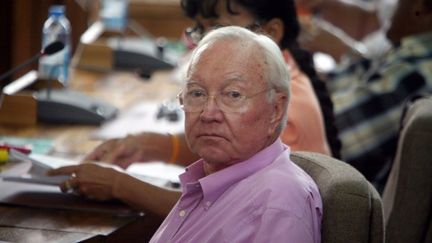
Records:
x=369, y=94
x=346, y=29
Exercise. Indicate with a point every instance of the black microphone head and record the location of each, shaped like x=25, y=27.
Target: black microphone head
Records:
x=53, y=48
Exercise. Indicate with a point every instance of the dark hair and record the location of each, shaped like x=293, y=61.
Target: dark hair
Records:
x=265, y=10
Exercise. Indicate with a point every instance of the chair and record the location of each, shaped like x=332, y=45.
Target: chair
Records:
x=407, y=198
x=352, y=209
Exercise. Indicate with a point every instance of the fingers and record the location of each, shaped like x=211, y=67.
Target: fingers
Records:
x=90, y=180
x=125, y=161
x=66, y=170
x=113, y=155
x=74, y=186
x=68, y=186
x=100, y=152
x=111, y=152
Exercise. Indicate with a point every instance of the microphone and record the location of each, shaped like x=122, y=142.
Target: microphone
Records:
x=50, y=49
x=62, y=106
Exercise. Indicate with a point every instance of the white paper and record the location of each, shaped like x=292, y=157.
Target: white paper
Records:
x=35, y=166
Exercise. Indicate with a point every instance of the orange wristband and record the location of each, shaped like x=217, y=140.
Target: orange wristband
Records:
x=175, y=148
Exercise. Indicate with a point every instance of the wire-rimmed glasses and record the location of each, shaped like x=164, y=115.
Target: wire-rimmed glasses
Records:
x=195, y=99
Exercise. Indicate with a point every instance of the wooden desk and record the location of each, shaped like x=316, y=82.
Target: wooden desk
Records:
x=30, y=224
x=120, y=89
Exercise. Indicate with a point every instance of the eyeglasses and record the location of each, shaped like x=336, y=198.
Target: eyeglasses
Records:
x=195, y=99
x=197, y=32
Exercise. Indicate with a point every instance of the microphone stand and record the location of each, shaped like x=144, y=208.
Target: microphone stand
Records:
x=29, y=61
x=13, y=70
x=50, y=49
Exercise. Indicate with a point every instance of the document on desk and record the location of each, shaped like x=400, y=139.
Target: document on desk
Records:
x=25, y=184
x=32, y=169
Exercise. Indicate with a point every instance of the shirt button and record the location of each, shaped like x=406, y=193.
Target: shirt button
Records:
x=208, y=203
x=182, y=213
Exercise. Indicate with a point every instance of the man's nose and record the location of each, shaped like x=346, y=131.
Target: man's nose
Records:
x=211, y=103
x=211, y=109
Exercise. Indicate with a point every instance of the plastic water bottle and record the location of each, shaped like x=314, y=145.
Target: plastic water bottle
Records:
x=56, y=28
x=114, y=14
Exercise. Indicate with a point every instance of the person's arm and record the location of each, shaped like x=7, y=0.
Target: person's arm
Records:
x=337, y=27
x=321, y=36
x=104, y=182
x=144, y=147
x=352, y=17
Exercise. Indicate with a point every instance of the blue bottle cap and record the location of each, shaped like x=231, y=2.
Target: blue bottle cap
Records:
x=57, y=10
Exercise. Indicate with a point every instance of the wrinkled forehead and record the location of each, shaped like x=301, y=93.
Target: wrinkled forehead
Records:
x=233, y=51
x=228, y=49
x=227, y=60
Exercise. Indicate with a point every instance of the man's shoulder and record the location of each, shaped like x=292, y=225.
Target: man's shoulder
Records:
x=282, y=184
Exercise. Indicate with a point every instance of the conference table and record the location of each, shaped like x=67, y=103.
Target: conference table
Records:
x=52, y=216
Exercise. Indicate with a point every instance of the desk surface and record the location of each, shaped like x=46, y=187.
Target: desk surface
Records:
x=121, y=89
x=33, y=224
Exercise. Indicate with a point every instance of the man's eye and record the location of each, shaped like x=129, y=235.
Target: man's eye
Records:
x=234, y=95
x=196, y=93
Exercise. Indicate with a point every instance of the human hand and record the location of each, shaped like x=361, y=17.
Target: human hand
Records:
x=123, y=152
x=94, y=181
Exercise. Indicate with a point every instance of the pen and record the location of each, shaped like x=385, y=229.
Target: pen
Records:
x=22, y=149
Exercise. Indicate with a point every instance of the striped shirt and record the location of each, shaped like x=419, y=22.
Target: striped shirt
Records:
x=369, y=97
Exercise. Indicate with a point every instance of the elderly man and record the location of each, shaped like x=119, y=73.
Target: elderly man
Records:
x=245, y=187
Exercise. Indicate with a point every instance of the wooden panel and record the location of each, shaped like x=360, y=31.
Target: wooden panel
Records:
x=18, y=109
x=93, y=56
x=6, y=31
x=27, y=19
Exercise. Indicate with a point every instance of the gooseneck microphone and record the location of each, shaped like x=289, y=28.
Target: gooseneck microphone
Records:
x=50, y=49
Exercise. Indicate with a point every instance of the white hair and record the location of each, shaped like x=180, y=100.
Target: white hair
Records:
x=276, y=70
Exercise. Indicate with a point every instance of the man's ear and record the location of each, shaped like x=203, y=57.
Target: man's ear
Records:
x=280, y=108
x=274, y=28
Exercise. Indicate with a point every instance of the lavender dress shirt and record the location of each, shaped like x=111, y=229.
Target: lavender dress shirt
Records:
x=266, y=198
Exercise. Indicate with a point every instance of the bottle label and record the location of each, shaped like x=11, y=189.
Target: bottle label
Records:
x=55, y=66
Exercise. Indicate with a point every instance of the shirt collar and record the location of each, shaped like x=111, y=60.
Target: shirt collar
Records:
x=215, y=184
